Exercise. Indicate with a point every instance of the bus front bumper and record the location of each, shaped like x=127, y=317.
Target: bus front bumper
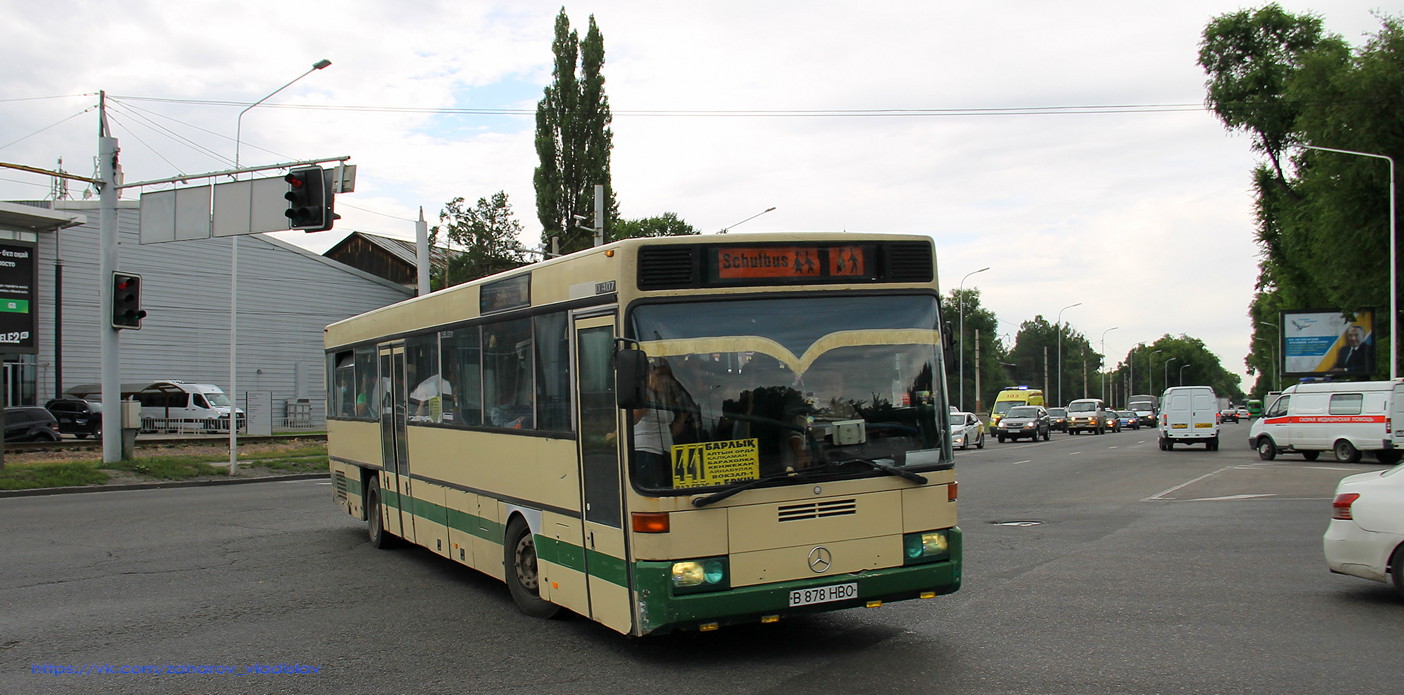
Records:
x=662, y=611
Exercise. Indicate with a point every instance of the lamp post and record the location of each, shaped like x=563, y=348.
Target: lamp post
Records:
x=1165, y=370
x=1060, y=350
x=1393, y=274
x=726, y=229
x=1273, y=386
x=1104, y=357
x=960, y=297
x=1150, y=376
x=234, y=280
x=1182, y=373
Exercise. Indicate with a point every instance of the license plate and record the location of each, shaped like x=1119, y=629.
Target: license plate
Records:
x=823, y=594
x=1204, y=424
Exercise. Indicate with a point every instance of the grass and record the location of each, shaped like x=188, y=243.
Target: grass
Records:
x=26, y=476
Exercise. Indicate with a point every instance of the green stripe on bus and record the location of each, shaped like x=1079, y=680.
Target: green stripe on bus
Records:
x=570, y=555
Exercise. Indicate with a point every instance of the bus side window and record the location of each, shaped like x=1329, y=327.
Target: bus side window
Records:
x=461, y=355
x=507, y=371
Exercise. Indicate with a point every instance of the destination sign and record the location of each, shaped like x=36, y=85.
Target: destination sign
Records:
x=742, y=263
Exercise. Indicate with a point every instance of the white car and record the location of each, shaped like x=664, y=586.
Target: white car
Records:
x=966, y=429
x=1366, y=535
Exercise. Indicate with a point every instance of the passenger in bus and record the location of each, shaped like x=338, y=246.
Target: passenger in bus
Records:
x=434, y=399
x=656, y=425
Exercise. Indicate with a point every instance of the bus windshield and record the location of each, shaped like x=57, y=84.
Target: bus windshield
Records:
x=745, y=389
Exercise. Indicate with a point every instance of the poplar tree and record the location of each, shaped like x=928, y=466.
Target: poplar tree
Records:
x=573, y=141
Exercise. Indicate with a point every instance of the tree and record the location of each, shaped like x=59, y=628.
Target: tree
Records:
x=667, y=224
x=984, y=357
x=1322, y=221
x=1177, y=357
x=573, y=141
x=483, y=240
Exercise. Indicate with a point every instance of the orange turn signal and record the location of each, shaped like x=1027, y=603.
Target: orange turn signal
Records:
x=951, y=491
x=650, y=522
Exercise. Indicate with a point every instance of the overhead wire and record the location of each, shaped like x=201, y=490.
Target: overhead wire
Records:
x=51, y=125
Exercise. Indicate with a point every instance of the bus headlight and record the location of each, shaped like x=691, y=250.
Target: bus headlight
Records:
x=927, y=546
x=692, y=576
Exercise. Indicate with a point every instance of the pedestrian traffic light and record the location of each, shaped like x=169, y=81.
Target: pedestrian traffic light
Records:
x=309, y=200
x=126, y=301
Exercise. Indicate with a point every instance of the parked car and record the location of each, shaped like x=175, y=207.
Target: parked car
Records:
x=966, y=429
x=1058, y=419
x=77, y=416
x=1128, y=418
x=1024, y=421
x=30, y=424
x=1365, y=537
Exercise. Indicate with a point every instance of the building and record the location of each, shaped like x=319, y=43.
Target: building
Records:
x=286, y=296
x=386, y=257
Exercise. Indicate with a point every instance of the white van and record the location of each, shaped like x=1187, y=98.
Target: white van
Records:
x=1345, y=418
x=175, y=406
x=1189, y=415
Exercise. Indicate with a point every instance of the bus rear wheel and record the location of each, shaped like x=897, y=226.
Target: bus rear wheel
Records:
x=522, y=573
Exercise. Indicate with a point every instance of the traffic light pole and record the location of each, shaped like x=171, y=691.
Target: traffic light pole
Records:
x=107, y=265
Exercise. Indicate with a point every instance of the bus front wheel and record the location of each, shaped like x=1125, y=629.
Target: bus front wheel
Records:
x=375, y=523
x=522, y=573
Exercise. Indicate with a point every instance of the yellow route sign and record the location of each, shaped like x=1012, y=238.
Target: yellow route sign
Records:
x=705, y=464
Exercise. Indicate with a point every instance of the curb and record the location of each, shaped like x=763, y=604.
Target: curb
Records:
x=43, y=491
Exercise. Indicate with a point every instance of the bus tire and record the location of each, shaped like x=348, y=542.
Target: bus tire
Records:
x=1346, y=452
x=375, y=522
x=1267, y=450
x=522, y=573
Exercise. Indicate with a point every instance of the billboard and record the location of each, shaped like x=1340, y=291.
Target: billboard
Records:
x=1322, y=343
x=18, y=281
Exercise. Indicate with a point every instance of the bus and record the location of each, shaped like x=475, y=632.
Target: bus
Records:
x=668, y=434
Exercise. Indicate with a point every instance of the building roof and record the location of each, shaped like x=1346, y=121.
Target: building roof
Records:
x=30, y=218
x=399, y=248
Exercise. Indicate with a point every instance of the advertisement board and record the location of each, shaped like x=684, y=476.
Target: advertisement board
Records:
x=1321, y=343
x=18, y=281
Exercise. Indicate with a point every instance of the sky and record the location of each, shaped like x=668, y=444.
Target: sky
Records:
x=992, y=127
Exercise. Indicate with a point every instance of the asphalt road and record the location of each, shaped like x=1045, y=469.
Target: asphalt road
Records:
x=1094, y=564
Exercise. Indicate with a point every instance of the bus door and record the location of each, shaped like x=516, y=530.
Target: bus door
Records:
x=606, y=558
x=393, y=403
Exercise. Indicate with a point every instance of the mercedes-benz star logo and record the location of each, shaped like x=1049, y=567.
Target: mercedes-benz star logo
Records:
x=820, y=559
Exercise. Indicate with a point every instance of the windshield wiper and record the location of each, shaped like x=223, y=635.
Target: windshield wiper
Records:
x=885, y=468
x=743, y=486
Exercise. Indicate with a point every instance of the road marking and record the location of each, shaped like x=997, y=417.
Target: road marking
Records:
x=1232, y=497
x=1024, y=461
x=1163, y=493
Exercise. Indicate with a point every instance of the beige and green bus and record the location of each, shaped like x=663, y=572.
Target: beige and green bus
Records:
x=664, y=434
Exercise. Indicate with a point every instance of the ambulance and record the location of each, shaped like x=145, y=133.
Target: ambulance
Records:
x=1010, y=397
x=1344, y=418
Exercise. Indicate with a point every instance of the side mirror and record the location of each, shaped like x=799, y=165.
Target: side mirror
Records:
x=630, y=375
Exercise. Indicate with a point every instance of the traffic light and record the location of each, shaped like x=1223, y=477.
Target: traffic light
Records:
x=309, y=200
x=126, y=301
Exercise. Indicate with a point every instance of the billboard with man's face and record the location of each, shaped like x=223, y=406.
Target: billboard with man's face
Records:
x=1324, y=343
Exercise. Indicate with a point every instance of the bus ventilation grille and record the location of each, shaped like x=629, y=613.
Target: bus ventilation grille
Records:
x=667, y=267
x=909, y=262
x=818, y=510
x=339, y=482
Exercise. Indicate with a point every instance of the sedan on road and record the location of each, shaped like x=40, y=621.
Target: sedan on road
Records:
x=1365, y=537
x=1128, y=418
x=1058, y=417
x=1024, y=421
x=966, y=429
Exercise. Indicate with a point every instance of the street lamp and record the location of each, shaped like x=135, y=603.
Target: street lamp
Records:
x=1182, y=373
x=960, y=297
x=1393, y=276
x=1150, y=376
x=1165, y=370
x=724, y=230
x=1104, y=356
x=234, y=279
x=1060, y=350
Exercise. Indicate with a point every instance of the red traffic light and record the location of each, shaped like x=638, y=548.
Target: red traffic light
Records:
x=294, y=180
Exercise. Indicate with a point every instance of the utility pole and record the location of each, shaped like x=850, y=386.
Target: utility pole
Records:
x=978, y=406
